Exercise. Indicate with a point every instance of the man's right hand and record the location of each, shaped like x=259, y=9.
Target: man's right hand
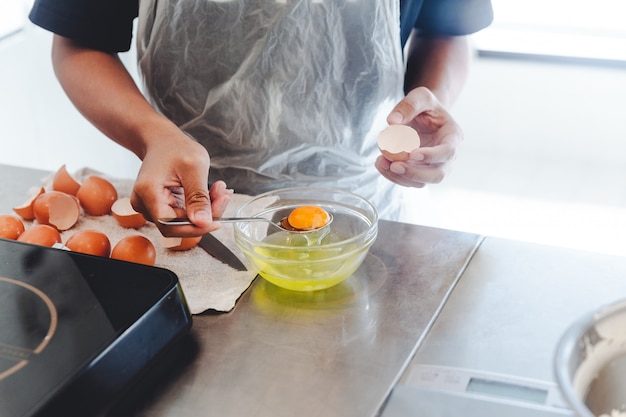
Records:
x=173, y=182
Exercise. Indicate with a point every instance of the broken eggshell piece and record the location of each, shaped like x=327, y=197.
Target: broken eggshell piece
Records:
x=126, y=215
x=57, y=209
x=397, y=141
x=25, y=211
x=64, y=182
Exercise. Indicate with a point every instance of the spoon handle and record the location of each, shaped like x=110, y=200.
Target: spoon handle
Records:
x=181, y=221
x=175, y=221
x=240, y=219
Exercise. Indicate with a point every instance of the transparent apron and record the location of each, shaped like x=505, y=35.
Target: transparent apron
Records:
x=280, y=92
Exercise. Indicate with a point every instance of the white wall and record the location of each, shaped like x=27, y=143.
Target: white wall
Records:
x=39, y=126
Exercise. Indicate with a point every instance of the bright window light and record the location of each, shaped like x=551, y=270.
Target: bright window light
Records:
x=13, y=16
x=557, y=28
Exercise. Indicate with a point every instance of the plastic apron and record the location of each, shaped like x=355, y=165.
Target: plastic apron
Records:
x=280, y=92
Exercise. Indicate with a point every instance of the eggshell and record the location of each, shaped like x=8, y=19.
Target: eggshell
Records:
x=10, y=227
x=25, y=211
x=64, y=182
x=125, y=215
x=57, y=209
x=397, y=141
x=41, y=234
x=135, y=248
x=96, y=195
x=92, y=242
x=180, y=243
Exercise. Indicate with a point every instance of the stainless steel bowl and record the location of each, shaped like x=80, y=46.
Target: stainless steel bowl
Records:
x=590, y=362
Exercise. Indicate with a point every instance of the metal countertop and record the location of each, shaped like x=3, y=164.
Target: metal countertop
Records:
x=513, y=304
x=491, y=350
x=336, y=352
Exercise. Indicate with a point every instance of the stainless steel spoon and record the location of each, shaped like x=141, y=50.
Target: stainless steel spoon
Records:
x=283, y=224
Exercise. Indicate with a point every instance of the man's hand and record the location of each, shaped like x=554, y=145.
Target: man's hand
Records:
x=440, y=137
x=173, y=182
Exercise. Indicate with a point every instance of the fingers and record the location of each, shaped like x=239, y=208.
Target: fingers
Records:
x=440, y=138
x=438, y=154
x=220, y=197
x=202, y=206
x=197, y=199
x=148, y=198
x=415, y=102
x=173, y=182
x=427, y=164
x=156, y=202
x=411, y=174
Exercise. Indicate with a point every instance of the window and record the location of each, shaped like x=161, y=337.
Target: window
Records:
x=557, y=29
x=13, y=16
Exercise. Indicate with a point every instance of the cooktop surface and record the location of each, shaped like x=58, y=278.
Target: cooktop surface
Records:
x=76, y=330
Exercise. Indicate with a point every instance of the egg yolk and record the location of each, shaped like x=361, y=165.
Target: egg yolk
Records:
x=308, y=218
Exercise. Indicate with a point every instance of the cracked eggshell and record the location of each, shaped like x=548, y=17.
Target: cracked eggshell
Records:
x=126, y=215
x=64, y=182
x=25, y=211
x=397, y=141
x=57, y=209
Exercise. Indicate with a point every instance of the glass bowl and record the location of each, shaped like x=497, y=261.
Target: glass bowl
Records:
x=307, y=261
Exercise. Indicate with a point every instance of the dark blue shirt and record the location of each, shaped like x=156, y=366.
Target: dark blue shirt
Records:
x=107, y=25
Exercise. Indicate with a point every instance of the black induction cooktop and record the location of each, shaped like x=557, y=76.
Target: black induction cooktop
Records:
x=76, y=330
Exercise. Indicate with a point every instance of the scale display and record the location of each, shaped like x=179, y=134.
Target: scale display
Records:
x=62, y=314
x=508, y=390
x=437, y=390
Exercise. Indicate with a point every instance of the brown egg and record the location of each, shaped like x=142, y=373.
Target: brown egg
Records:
x=91, y=242
x=135, y=248
x=180, y=243
x=64, y=182
x=41, y=234
x=397, y=141
x=10, y=227
x=96, y=195
x=25, y=211
x=56, y=209
x=125, y=215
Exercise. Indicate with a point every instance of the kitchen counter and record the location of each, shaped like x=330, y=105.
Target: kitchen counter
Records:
x=330, y=353
x=502, y=323
x=336, y=352
x=514, y=302
x=426, y=302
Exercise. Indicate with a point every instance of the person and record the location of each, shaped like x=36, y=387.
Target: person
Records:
x=264, y=94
